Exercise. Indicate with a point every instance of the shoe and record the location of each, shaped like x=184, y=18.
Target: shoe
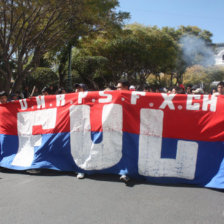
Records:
x=124, y=178
x=33, y=171
x=80, y=176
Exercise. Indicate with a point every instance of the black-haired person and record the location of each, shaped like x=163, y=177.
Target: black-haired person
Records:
x=61, y=91
x=14, y=96
x=189, y=89
x=220, y=89
x=110, y=88
x=147, y=88
x=80, y=87
x=3, y=97
x=26, y=92
x=123, y=85
x=45, y=91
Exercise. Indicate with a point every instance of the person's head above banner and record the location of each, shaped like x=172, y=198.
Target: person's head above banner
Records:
x=80, y=87
x=3, y=97
x=123, y=85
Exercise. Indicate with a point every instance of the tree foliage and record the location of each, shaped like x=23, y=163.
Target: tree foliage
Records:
x=90, y=70
x=30, y=28
x=98, y=17
x=41, y=77
x=41, y=33
x=135, y=53
x=199, y=75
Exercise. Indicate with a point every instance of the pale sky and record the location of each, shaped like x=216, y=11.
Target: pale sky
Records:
x=206, y=14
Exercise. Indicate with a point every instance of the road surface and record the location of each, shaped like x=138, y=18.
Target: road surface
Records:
x=55, y=198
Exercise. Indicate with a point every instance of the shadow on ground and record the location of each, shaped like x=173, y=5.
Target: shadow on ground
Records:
x=97, y=177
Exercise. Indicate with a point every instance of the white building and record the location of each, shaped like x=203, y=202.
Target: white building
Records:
x=219, y=54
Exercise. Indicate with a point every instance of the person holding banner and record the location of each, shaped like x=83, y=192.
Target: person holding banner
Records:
x=123, y=85
x=220, y=88
x=80, y=87
x=3, y=97
x=45, y=91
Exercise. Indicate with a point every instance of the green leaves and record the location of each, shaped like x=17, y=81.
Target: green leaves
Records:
x=137, y=51
x=30, y=28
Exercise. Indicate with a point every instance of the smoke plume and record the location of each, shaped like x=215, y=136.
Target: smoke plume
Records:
x=195, y=51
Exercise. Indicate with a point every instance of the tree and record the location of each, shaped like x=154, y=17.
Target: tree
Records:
x=30, y=28
x=196, y=75
x=98, y=17
x=195, y=31
x=135, y=53
x=194, y=48
x=216, y=73
x=91, y=70
x=42, y=77
x=204, y=76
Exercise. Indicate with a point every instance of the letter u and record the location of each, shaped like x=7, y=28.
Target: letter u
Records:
x=87, y=154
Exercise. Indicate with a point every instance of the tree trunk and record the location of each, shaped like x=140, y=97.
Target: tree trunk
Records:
x=7, y=85
x=8, y=77
x=17, y=84
x=171, y=79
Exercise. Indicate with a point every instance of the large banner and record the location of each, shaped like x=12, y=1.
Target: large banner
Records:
x=162, y=138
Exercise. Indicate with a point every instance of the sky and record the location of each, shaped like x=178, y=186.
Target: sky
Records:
x=205, y=14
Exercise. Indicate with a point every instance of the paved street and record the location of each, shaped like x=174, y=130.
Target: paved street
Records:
x=53, y=198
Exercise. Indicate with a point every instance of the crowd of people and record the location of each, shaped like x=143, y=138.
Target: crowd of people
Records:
x=121, y=85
